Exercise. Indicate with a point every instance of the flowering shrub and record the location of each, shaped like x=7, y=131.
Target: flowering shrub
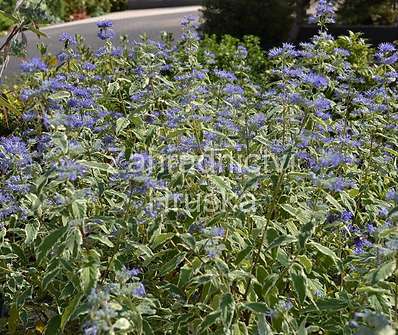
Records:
x=148, y=191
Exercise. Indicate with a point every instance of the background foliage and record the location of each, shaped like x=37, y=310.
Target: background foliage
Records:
x=272, y=20
x=269, y=19
x=55, y=10
x=384, y=12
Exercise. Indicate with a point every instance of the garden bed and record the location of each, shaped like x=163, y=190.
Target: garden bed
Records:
x=196, y=187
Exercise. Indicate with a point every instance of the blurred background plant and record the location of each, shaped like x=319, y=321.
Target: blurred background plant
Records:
x=50, y=11
x=276, y=21
x=6, y=6
x=377, y=12
x=270, y=19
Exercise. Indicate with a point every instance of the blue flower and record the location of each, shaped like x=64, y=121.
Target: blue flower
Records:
x=287, y=50
x=233, y=89
x=225, y=75
x=102, y=51
x=67, y=38
x=383, y=212
x=339, y=184
x=218, y=232
x=286, y=304
x=386, y=47
x=325, y=13
x=134, y=272
x=117, y=52
x=106, y=34
x=347, y=216
x=91, y=330
x=34, y=65
x=392, y=195
x=104, y=24
x=70, y=169
x=371, y=228
x=139, y=291
x=242, y=52
x=257, y=120
x=13, y=152
x=62, y=57
x=315, y=80
x=360, y=244
x=322, y=104
x=17, y=184
x=189, y=20
x=89, y=66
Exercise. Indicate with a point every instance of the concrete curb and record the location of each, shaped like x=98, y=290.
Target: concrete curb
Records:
x=127, y=14
x=142, y=4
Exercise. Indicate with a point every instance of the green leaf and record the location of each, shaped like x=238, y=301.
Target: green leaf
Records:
x=61, y=141
x=297, y=213
x=243, y=254
x=159, y=239
x=257, y=307
x=305, y=233
x=299, y=281
x=113, y=87
x=209, y=320
x=122, y=324
x=31, y=231
x=98, y=166
x=88, y=277
x=327, y=305
x=60, y=95
x=49, y=276
x=185, y=276
x=13, y=319
x=221, y=183
x=79, y=208
x=89, y=274
x=331, y=304
x=326, y=251
x=302, y=330
x=7, y=16
x=334, y=202
x=384, y=272
x=227, y=307
x=305, y=262
x=48, y=243
x=8, y=105
x=147, y=328
x=53, y=326
x=69, y=310
x=38, y=33
x=263, y=327
x=372, y=290
x=121, y=124
x=103, y=239
x=172, y=264
x=281, y=241
x=392, y=211
x=137, y=121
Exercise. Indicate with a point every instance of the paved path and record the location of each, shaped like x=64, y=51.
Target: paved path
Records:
x=133, y=23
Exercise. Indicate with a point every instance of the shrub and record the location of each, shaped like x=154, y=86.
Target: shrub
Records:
x=270, y=19
x=118, y=5
x=6, y=6
x=147, y=191
x=227, y=52
x=384, y=12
